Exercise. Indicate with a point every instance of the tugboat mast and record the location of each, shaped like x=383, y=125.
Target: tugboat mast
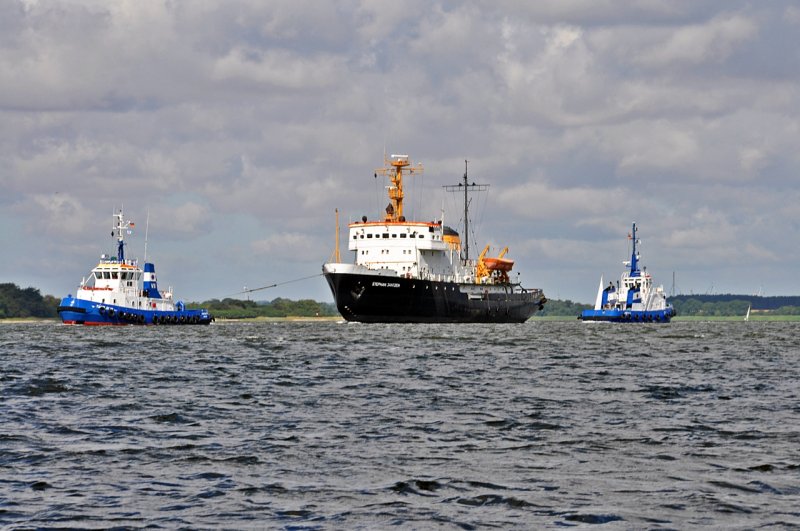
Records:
x=634, y=254
x=119, y=231
x=466, y=187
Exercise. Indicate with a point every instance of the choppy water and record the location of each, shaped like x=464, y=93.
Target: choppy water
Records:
x=341, y=426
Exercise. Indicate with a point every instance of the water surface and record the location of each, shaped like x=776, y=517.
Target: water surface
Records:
x=333, y=425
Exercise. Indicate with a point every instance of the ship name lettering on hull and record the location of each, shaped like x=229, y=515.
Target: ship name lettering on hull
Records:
x=386, y=284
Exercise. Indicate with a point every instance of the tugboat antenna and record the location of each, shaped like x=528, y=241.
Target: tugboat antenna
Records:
x=146, y=229
x=466, y=188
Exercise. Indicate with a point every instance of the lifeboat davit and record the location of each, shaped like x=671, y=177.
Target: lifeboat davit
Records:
x=498, y=264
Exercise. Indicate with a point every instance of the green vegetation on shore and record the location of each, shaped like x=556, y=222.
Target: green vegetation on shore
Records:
x=18, y=303
x=559, y=308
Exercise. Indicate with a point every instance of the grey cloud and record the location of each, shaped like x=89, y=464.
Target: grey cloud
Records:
x=243, y=124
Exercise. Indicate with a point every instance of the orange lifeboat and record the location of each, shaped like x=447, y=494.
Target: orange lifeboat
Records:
x=498, y=264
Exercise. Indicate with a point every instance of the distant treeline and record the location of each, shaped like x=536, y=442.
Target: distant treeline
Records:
x=16, y=302
x=239, y=309
x=757, y=302
x=558, y=308
x=728, y=305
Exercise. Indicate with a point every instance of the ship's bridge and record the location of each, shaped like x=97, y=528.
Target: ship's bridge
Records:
x=408, y=247
x=113, y=274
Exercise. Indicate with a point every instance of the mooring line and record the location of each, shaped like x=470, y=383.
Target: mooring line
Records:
x=276, y=284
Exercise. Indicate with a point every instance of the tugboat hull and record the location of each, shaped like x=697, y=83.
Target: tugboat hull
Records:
x=628, y=316
x=79, y=311
x=390, y=299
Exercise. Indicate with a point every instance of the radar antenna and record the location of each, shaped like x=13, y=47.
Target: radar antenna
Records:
x=466, y=188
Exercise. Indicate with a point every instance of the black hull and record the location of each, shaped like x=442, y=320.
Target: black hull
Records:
x=382, y=299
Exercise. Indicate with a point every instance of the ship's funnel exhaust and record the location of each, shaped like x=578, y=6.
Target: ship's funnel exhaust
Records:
x=150, y=283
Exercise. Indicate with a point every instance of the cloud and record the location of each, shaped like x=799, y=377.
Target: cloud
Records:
x=287, y=246
x=242, y=125
x=187, y=219
x=648, y=145
x=279, y=69
x=712, y=42
x=540, y=201
x=57, y=216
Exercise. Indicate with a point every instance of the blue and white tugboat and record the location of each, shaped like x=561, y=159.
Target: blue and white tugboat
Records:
x=633, y=299
x=119, y=292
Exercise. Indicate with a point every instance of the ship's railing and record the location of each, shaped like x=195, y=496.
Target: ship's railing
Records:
x=537, y=292
x=113, y=261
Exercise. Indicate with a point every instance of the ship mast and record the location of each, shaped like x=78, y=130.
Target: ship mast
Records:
x=634, y=255
x=394, y=170
x=119, y=229
x=337, y=257
x=466, y=188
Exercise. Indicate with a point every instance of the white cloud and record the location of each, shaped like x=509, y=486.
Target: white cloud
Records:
x=287, y=246
x=189, y=218
x=659, y=144
x=537, y=200
x=698, y=44
x=57, y=216
x=279, y=68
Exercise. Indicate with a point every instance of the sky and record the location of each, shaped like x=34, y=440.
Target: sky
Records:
x=238, y=127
